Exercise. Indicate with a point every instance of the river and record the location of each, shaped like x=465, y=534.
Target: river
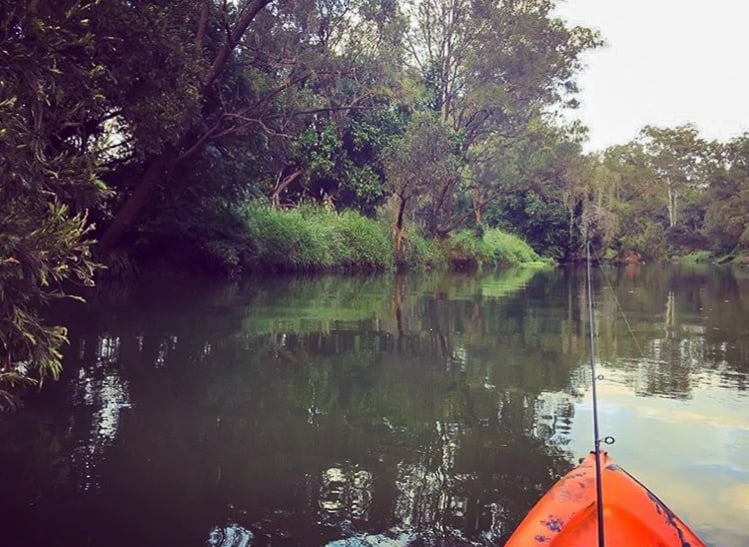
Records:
x=420, y=410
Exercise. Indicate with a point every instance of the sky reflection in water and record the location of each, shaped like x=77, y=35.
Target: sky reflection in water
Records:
x=380, y=411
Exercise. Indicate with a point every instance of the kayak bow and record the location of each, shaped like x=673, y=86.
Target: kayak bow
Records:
x=566, y=516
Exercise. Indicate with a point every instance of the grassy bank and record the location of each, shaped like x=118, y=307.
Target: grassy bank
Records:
x=256, y=237
x=694, y=258
x=494, y=248
x=315, y=239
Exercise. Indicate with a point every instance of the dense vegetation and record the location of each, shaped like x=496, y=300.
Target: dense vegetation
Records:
x=411, y=131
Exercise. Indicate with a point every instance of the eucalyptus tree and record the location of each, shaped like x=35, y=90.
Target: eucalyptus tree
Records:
x=727, y=213
x=680, y=160
x=489, y=66
x=426, y=151
x=634, y=200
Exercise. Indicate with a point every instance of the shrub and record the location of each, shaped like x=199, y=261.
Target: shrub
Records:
x=494, y=248
x=507, y=249
x=314, y=238
x=464, y=251
x=422, y=253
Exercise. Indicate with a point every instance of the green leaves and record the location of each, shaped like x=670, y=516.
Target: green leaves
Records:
x=48, y=88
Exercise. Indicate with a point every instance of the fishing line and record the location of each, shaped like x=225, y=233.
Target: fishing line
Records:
x=620, y=308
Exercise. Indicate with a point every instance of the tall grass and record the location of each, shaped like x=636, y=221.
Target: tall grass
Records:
x=495, y=248
x=695, y=257
x=258, y=237
x=507, y=249
x=313, y=238
x=422, y=253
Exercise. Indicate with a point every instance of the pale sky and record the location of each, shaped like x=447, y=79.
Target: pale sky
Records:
x=665, y=63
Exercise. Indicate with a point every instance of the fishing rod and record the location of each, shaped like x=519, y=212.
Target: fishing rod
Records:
x=596, y=434
x=563, y=517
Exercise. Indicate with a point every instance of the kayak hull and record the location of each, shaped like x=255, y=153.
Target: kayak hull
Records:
x=632, y=515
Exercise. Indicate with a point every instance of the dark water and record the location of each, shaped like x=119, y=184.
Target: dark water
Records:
x=430, y=410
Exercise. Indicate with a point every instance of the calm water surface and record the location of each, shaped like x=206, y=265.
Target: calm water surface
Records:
x=423, y=410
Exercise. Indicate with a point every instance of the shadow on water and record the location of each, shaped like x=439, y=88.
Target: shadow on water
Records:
x=419, y=410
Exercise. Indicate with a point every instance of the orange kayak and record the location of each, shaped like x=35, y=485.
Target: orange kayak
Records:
x=632, y=515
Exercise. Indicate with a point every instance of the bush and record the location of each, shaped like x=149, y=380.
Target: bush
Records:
x=464, y=251
x=228, y=239
x=313, y=238
x=495, y=248
x=697, y=257
x=508, y=249
x=195, y=236
x=422, y=253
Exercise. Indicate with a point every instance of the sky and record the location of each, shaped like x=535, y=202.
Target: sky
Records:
x=665, y=63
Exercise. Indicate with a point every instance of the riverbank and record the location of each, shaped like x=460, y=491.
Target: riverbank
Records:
x=258, y=238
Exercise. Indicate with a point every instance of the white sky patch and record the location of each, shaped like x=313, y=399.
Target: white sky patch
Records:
x=665, y=63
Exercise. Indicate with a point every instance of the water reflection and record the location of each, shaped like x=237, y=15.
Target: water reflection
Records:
x=427, y=488
x=367, y=411
x=231, y=535
x=345, y=494
x=98, y=387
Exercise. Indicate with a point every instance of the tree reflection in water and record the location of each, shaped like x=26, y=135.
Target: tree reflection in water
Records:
x=101, y=389
x=365, y=411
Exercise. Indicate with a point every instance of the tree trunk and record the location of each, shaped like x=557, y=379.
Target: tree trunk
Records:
x=281, y=185
x=159, y=169
x=673, y=197
x=476, y=203
x=398, y=232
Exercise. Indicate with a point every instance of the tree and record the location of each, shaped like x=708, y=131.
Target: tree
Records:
x=423, y=157
x=49, y=158
x=538, y=185
x=625, y=174
x=262, y=73
x=182, y=133
x=678, y=158
x=488, y=68
x=488, y=65
x=727, y=211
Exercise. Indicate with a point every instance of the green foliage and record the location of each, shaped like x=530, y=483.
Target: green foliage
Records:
x=517, y=55
x=727, y=212
x=656, y=193
x=508, y=249
x=421, y=166
x=255, y=236
x=541, y=189
x=341, y=162
x=313, y=238
x=49, y=83
x=679, y=159
x=542, y=221
x=422, y=253
x=363, y=241
x=645, y=237
x=697, y=257
x=494, y=249
x=37, y=259
x=200, y=235
x=464, y=251
x=682, y=238
x=423, y=158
